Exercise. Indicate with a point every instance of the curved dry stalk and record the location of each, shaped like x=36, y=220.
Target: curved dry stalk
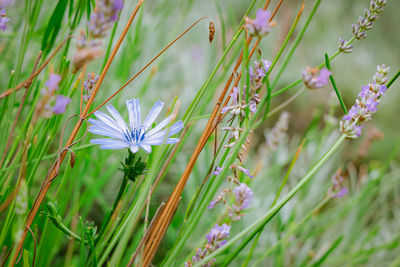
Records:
x=162, y=223
x=54, y=168
x=146, y=66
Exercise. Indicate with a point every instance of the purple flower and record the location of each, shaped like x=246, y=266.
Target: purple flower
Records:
x=52, y=82
x=220, y=198
x=337, y=190
x=218, y=170
x=366, y=104
x=243, y=196
x=314, y=78
x=218, y=233
x=344, y=46
x=3, y=22
x=89, y=84
x=60, y=104
x=370, y=15
x=215, y=239
x=245, y=171
x=260, y=25
x=344, y=191
x=105, y=14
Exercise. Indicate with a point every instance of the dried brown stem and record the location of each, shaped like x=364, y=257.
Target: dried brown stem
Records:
x=54, y=169
x=146, y=66
x=139, y=247
x=162, y=222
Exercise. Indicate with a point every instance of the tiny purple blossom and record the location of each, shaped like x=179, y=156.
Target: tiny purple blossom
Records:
x=218, y=233
x=245, y=171
x=60, y=104
x=3, y=23
x=337, y=189
x=260, y=25
x=344, y=191
x=314, y=78
x=218, y=170
x=52, y=82
x=243, y=196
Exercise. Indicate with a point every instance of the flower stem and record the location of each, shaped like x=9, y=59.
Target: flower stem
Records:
x=252, y=230
x=114, y=206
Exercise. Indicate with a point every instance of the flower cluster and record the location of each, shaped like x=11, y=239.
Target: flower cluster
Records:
x=279, y=132
x=365, y=105
x=337, y=189
x=215, y=239
x=51, y=103
x=103, y=17
x=315, y=78
x=344, y=46
x=364, y=24
x=89, y=84
x=221, y=198
x=370, y=15
x=137, y=134
x=3, y=15
x=256, y=82
x=261, y=25
x=243, y=196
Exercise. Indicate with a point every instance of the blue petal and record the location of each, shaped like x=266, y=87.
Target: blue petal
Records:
x=110, y=143
x=99, y=127
x=153, y=114
x=145, y=147
x=133, y=106
x=160, y=126
x=175, y=128
x=134, y=148
x=160, y=141
x=118, y=118
x=108, y=120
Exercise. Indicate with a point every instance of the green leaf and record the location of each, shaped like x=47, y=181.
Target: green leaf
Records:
x=53, y=27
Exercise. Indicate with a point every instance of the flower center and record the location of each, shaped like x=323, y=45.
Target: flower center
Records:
x=136, y=135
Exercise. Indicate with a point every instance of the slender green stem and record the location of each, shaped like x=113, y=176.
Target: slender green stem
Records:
x=328, y=66
x=252, y=230
x=114, y=206
x=295, y=44
x=292, y=231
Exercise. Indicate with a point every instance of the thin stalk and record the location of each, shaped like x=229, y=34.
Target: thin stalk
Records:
x=114, y=206
x=292, y=230
x=55, y=167
x=258, y=224
x=295, y=43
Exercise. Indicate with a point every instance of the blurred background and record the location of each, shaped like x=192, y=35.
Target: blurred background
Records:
x=182, y=70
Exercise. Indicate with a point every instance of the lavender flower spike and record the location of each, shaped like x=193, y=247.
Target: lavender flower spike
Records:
x=365, y=105
x=315, y=78
x=217, y=235
x=243, y=196
x=137, y=134
x=215, y=239
x=260, y=25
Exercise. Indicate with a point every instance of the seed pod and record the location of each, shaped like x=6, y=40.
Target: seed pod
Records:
x=211, y=31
